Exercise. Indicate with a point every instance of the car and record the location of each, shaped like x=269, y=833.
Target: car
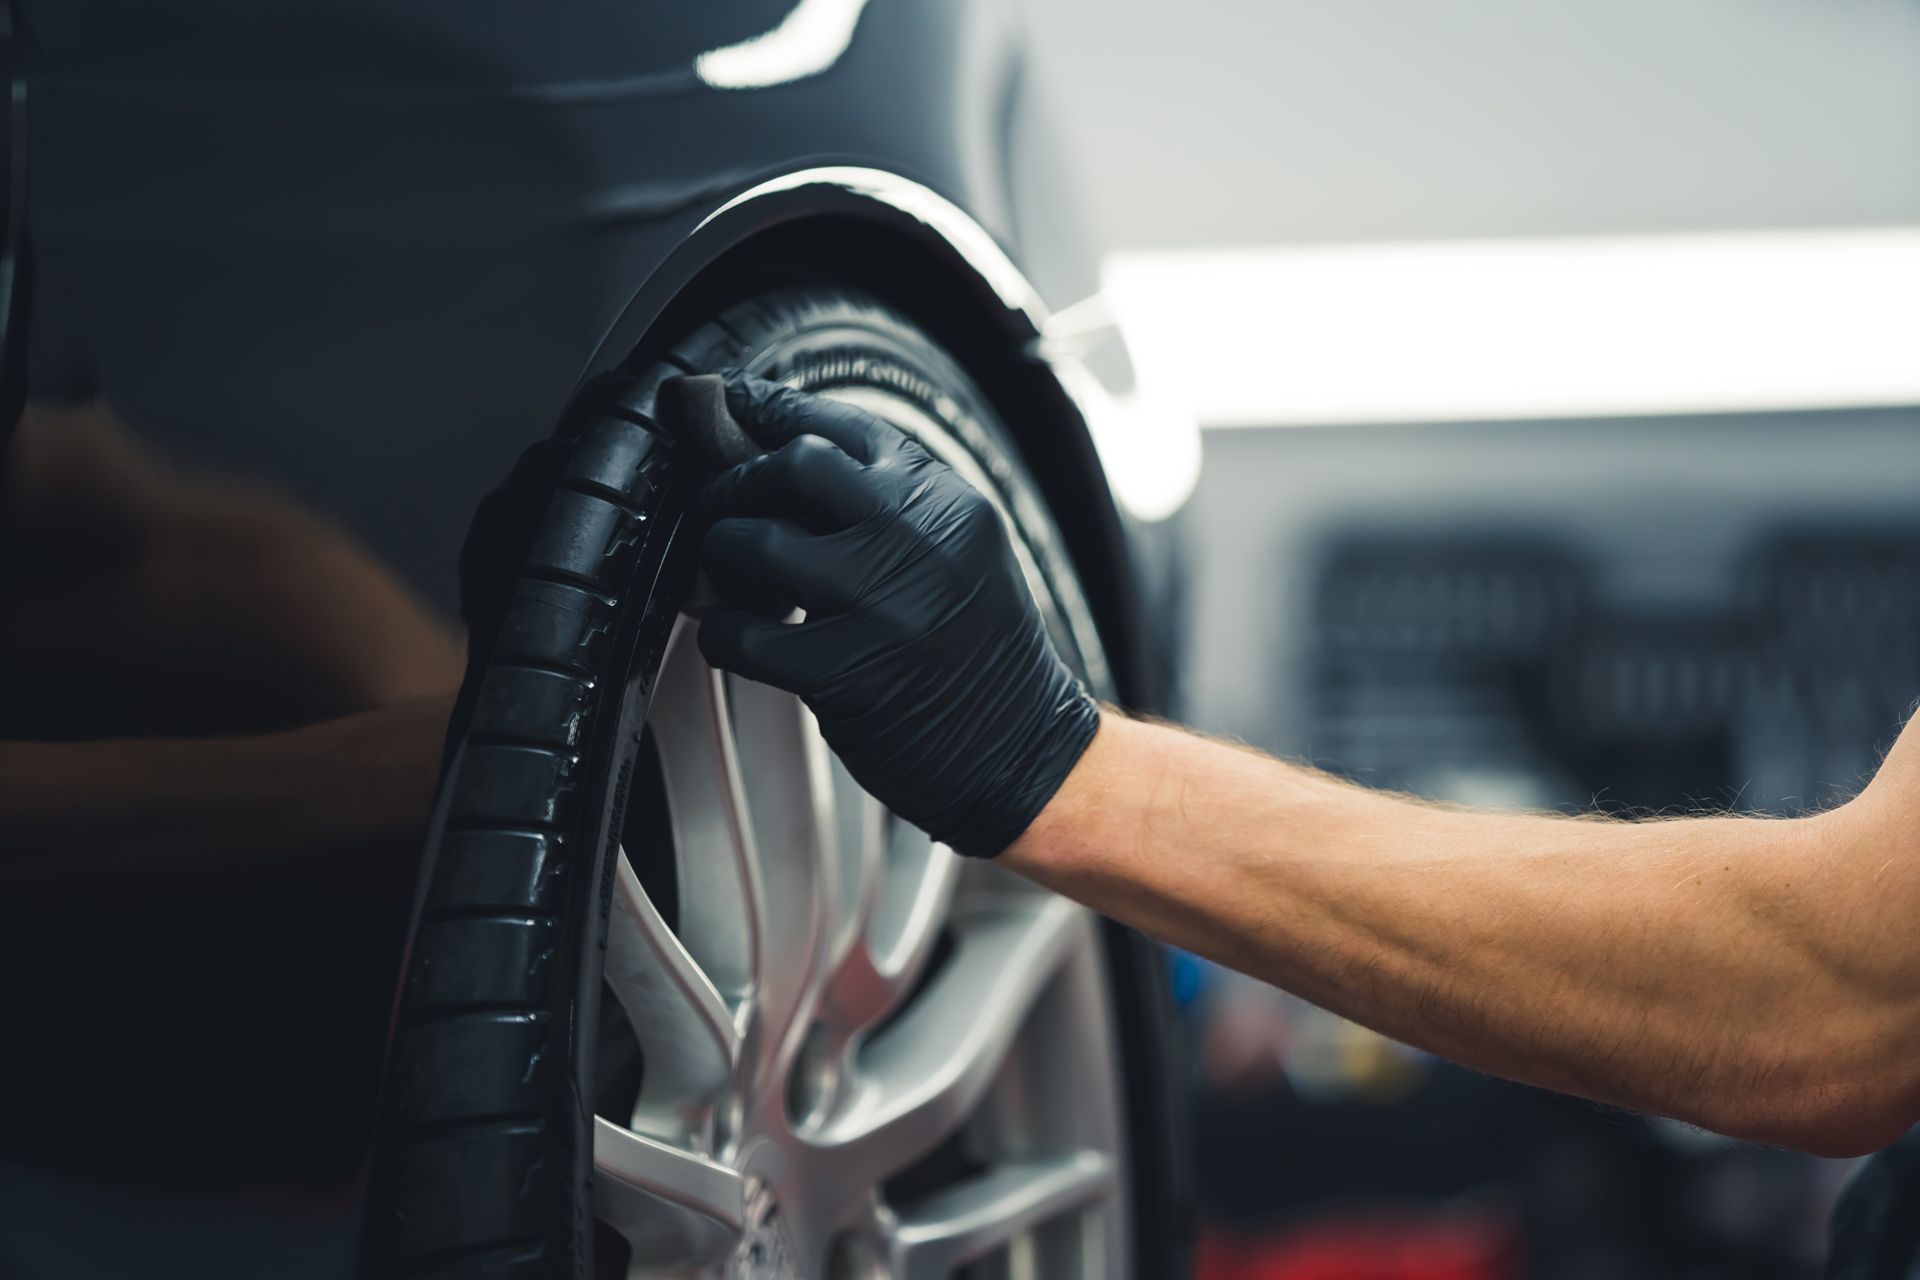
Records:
x=677, y=997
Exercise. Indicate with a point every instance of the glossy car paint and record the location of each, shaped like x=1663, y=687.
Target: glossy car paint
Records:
x=368, y=251
x=354, y=257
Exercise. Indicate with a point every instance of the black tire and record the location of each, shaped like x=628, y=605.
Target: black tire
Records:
x=482, y=1166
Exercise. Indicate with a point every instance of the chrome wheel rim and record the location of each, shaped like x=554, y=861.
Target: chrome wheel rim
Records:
x=865, y=1058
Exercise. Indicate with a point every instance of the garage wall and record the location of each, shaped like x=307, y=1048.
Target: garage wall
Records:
x=1214, y=122
x=1634, y=589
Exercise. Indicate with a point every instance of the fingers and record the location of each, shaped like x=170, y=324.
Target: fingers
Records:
x=741, y=566
x=771, y=565
x=758, y=648
x=808, y=480
x=774, y=413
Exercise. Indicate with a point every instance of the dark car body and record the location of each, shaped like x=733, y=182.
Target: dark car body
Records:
x=368, y=251
x=361, y=255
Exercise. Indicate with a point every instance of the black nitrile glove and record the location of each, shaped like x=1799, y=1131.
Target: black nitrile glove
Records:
x=921, y=654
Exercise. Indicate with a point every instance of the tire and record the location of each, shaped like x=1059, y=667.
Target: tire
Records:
x=561, y=999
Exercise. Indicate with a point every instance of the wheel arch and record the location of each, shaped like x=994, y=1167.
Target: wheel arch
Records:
x=922, y=255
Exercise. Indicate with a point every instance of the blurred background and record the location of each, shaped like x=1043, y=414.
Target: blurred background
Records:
x=1557, y=366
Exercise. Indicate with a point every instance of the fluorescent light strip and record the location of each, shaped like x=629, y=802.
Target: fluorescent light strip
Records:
x=1481, y=330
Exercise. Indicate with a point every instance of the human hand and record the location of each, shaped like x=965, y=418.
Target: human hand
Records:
x=921, y=652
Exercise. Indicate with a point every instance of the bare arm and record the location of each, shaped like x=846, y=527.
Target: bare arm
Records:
x=1756, y=977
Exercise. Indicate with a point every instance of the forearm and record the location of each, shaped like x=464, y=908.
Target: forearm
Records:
x=1702, y=968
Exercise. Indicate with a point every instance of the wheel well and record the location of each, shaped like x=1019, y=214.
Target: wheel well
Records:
x=926, y=280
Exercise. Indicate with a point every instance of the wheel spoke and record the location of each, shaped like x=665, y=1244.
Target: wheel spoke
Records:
x=673, y=1206
x=920, y=1078
x=720, y=898
x=920, y=879
x=688, y=1033
x=861, y=837
x=792, y=841
x=951, y=1228
x=854, y=994
x=898, y=926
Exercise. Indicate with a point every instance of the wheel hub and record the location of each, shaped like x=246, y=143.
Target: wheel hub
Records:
x=765, y=1251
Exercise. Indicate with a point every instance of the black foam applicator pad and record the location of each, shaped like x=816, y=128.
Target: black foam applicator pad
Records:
x=694, y=408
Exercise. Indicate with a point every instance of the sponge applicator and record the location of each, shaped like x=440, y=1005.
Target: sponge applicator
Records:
x=694, y=408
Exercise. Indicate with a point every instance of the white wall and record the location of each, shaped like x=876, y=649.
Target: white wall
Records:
x=1204, y=122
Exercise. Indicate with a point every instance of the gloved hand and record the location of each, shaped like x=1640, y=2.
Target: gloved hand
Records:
x=922, y=654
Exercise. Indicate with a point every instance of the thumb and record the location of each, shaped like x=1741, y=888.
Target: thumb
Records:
x=758, y=648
